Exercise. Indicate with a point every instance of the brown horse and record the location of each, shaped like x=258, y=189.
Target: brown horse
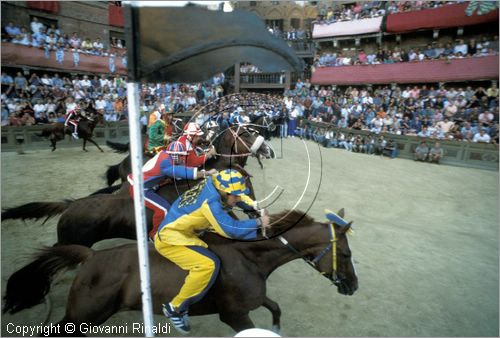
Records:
x=98, y=292
x=88, y=220
x=55, y=132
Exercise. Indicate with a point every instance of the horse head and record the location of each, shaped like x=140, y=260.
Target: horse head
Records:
x=324, y=246
x=241, y=141
x=339, y=267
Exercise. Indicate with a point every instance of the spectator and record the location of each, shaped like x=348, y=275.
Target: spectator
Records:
x=98, y=47
x=36, y=26
x=421, y=152
x=12, y=31
x=461, y=48
x=74, y=41
x=436, y=153
x=481, y=137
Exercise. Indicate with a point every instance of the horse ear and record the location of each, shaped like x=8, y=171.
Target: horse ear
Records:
x=348, y=228
x=341, y=212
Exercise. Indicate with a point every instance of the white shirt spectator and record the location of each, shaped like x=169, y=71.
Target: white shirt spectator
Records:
x=51, y=108
x=39, y=108
x=36, y=26
x=463, y=48
x=98, y=45
x=46, y=81
x=104, y=82
x=85, y=83
x=100, y=104
x=485, y=138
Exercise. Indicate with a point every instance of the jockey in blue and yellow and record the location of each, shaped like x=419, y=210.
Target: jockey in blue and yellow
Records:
x=202, y=208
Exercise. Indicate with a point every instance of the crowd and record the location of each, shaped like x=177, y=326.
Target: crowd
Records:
x=459, y=113
x=29, y=99
x=484, y=47
x=371, y=9
x=60, y=44
x=291, y=35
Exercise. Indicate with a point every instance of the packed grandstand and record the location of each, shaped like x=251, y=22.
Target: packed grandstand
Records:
x=388, y=68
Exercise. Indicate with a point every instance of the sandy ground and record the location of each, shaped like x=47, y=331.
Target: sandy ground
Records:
x=425, y=243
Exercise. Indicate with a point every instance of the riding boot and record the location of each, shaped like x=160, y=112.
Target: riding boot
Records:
x=75, y=135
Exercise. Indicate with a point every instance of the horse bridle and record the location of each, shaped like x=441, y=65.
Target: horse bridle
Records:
x=251, y=150
x=333, y=276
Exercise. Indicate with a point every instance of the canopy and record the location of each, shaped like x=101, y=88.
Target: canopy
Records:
x=191, y=44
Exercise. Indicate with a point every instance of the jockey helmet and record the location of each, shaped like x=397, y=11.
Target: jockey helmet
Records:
x=177, y=152
x=192, y=129
x=230, y=181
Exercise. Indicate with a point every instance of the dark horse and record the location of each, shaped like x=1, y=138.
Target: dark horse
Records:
x=55, y=132
x=122, y=169
x=88, y=220
x=264, y=125
x=98, y=292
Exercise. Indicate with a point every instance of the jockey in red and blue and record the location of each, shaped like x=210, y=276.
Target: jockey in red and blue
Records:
x=72, y=117
x=190, y=139
x=167, y=163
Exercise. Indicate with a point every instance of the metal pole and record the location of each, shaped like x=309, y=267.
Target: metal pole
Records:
x=139, y=205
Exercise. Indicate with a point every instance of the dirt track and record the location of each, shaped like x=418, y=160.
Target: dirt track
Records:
x=425, y=242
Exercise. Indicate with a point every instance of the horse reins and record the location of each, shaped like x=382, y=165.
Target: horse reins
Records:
x=314, y=262
x=236, y=137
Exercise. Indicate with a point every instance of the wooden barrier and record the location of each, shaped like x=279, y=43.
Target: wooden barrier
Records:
x=456, y=153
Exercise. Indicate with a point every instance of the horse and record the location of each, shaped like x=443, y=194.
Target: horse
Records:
x=98, y=292
x=55, y=132
x=227, y=156
x=88, y=220
x=264, y=125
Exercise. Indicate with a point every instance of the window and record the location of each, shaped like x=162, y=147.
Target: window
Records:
x=116, y=36
x=295, y=23
x=275, y=23
x=46, y=22
x=253, y=3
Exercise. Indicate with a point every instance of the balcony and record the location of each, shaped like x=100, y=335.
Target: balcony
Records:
x=467, y=69
x=14, y=55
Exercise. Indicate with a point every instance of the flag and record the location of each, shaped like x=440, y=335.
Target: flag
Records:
x=191, y=44
x=482, y=7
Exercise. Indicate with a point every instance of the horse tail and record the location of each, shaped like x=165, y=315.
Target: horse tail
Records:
x=112, y=174
x=29, y=285
x=107, y=190
x=118, y=147
x=36, y=210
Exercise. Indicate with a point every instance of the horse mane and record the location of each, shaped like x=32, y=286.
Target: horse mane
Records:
x=286, y=220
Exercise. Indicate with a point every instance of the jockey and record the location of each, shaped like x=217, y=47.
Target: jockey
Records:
x=156, y=133
x=190, y=139
x=167, y=163
x=72, y=117
x=199, y=209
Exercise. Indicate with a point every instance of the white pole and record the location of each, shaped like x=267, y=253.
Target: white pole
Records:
x=139, y=205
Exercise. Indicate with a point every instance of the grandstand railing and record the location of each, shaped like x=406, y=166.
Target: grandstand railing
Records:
x=456, y=153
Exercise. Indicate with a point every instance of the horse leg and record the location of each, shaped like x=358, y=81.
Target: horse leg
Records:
x=84, y=143
x=91, y=140
x=275, y=311
x=90, y=305
x=53, y=142
x=237, y=321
